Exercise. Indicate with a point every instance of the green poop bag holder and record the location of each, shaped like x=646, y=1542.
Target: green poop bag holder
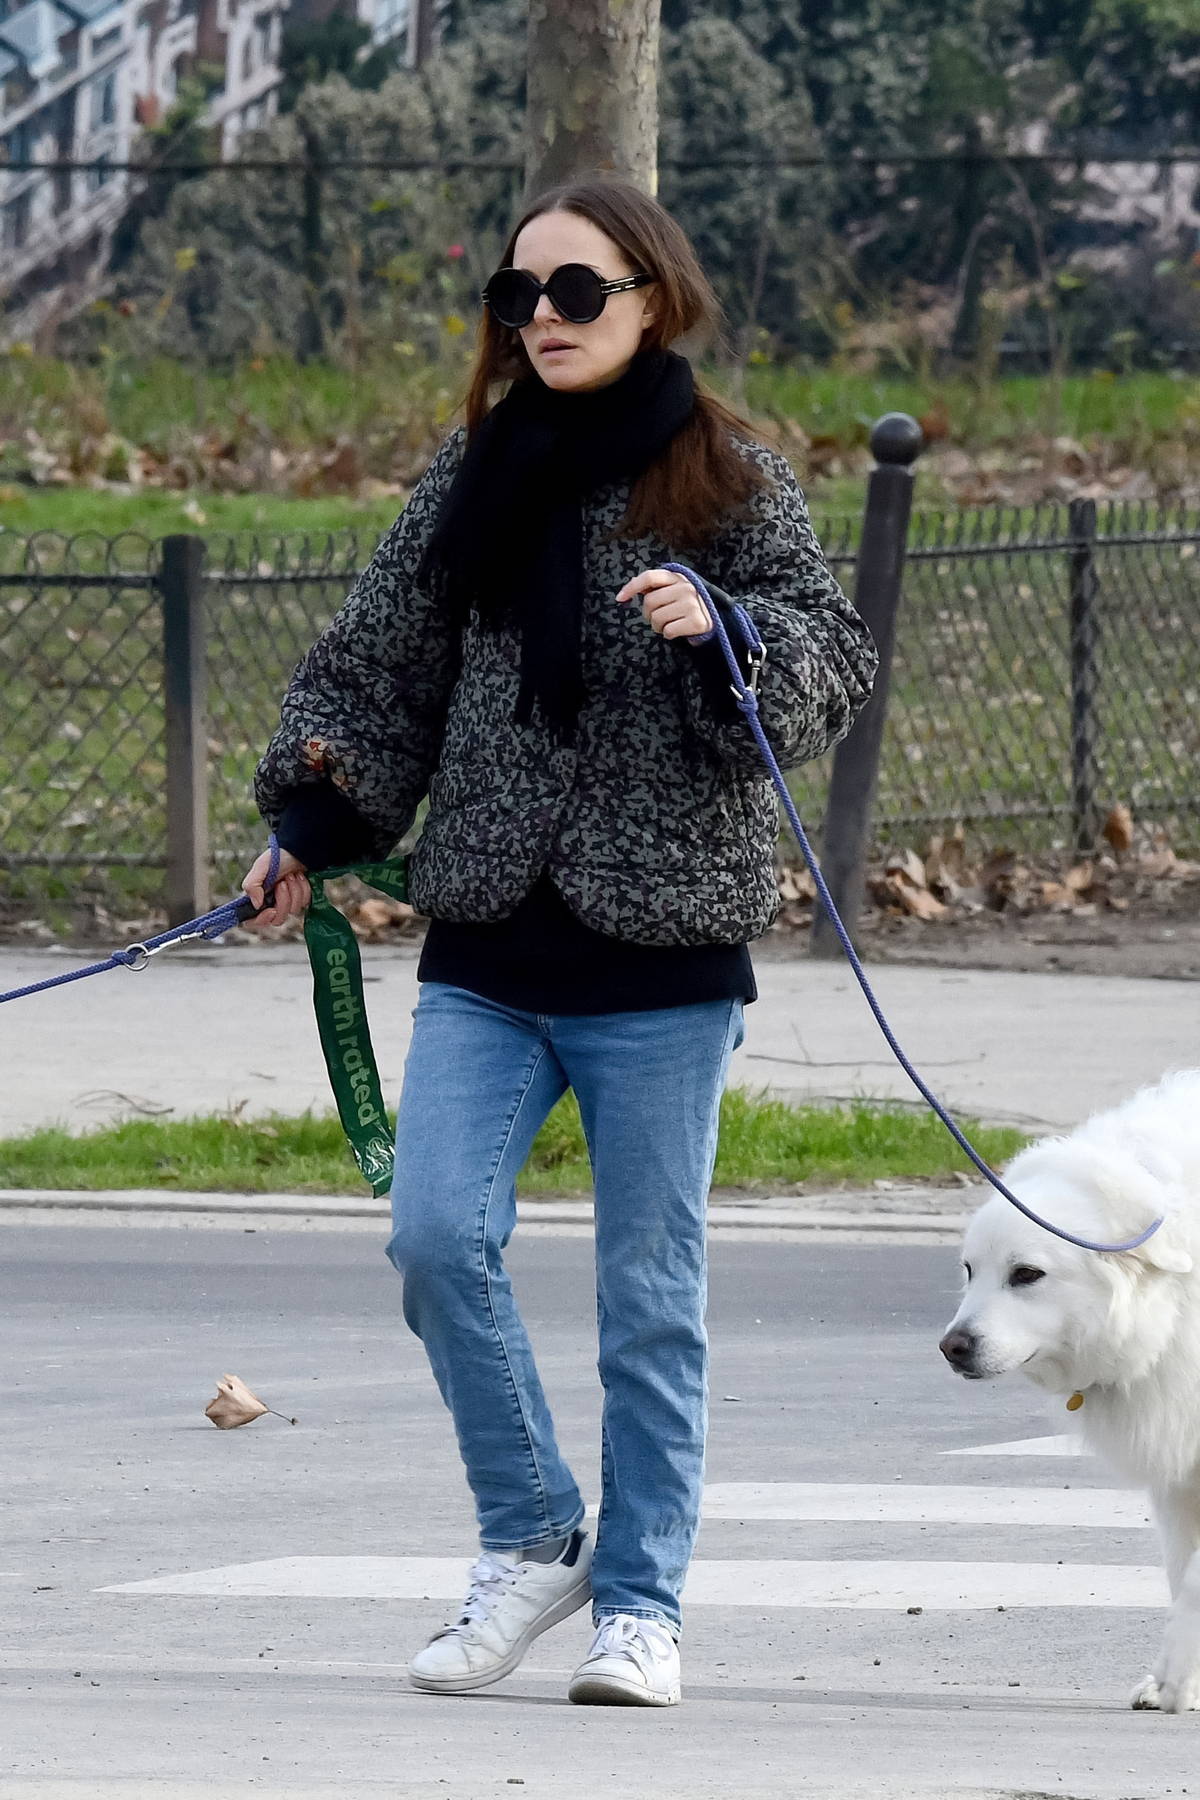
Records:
x=342, y=1016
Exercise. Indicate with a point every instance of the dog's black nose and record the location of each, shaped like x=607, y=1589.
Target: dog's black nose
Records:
x=958, y=1348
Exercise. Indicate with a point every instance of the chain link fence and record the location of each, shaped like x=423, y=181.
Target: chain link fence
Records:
x=81, y=734
x=264, y=605
x=85, y=802
x=1047, y=667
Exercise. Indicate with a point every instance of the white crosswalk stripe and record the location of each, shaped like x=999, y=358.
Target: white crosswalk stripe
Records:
x=786, y=1582
x=936, y=1586
x=906, y=1503
x=1039, y=1446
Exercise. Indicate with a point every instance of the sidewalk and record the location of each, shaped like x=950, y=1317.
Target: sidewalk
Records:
x=205, y=1029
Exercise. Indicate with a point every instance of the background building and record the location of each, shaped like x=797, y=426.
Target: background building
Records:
x=80, y=79
x=64, y=95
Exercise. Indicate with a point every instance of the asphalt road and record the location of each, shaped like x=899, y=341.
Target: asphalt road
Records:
x=838, y=1504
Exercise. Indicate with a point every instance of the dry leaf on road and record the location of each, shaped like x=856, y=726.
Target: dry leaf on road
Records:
x=234, y=1404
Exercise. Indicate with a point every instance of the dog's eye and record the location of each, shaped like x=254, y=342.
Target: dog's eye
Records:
x=967, y=1270
x=1024, y=1276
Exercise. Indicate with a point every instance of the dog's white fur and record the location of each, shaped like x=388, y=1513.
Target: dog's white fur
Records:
x=1123, y=1330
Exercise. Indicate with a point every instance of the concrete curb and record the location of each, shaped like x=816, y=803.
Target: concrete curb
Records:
x=907, y=1214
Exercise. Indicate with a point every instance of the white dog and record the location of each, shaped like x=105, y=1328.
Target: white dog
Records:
x=1119, y=1334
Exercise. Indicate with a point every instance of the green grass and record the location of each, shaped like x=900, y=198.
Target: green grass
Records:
x=393, y=410
x=156, y=512
x=214, y=430
x=1129, y=409
x=156, y=401
x=762, y=1141
x=151, y=400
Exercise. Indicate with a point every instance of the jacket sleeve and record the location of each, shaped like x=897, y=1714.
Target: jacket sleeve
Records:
x=820, y=656
x=366, y=707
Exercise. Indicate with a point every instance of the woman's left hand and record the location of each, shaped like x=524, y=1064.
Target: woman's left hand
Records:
x=671, y=606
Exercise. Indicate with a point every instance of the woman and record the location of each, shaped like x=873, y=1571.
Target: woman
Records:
x=597, y=854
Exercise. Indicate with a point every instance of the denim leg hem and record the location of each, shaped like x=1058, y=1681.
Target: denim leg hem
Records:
x=544, y=1537
x=637, y=1612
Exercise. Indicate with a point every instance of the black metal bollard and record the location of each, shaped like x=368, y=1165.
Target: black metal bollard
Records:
x=185, y=707
x=896, y=442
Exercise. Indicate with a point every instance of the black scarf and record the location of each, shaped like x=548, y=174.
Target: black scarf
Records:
x=509, y=539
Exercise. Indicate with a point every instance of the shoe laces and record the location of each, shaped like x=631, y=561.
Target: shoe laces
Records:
x=489, y=1578
x=624, y=1634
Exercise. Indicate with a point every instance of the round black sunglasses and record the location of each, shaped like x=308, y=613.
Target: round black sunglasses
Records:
x=574, y=290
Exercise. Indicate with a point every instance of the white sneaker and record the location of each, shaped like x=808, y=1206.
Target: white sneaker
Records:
x=508, y=1604
x=632, y=1662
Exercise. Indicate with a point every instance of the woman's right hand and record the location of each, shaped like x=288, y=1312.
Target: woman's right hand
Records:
x=292, y=892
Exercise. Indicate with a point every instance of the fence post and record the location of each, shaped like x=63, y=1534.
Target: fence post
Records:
x=1084, y=583
x=896, y=442
x=185, y=704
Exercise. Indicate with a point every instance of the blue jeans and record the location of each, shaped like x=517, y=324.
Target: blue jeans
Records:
x=479, y=1081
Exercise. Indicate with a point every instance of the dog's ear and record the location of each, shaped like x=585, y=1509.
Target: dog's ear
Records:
x=1139, y=1184
x=1162, y=1164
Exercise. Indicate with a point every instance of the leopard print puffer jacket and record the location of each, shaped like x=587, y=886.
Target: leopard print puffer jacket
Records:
x=659, y=824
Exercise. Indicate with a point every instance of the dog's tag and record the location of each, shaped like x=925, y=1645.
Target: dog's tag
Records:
x=1074, y=1403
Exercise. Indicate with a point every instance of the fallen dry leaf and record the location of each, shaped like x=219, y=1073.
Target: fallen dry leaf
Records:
x=1118, y=828
x=916, y=900
x=946, y=865
x=377, y=915
x=234, y=1404
x=908, y=865
x=942, y=879
x=900, y=887
x=1158, y=864
x=374, y=912
x=796, y=884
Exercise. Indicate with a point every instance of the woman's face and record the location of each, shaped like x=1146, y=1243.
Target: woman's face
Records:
x=597, y=353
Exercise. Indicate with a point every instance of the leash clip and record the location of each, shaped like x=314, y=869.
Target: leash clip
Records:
x=755, y=658
x=143, y=952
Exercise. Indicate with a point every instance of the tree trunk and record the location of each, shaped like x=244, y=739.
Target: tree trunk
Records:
x=966, y=254
x=421, y=26
x=592, y=102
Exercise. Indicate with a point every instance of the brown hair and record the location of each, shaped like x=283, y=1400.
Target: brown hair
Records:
x=700, y=479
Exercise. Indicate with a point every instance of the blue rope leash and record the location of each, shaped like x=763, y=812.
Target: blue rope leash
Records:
x=136, y=956
x=746, y=695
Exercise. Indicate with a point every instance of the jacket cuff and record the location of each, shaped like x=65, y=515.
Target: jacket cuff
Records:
x=322, y=827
